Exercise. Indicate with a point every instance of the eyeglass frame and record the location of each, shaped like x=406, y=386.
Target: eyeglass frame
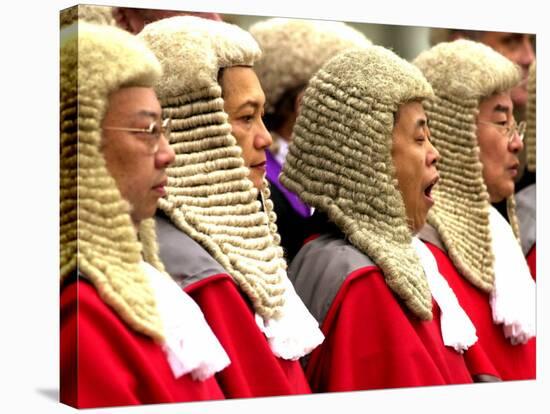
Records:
x=165, y=128
x=510, y=130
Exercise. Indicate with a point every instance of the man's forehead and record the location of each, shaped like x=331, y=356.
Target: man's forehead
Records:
x=135, y=102
x=412, y=108
x=504, y=40
x=252, y=99
x=136, y=112
x=498, y=103
x=247, y=96
x=240, y=78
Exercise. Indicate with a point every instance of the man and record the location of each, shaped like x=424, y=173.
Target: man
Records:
x=520, y=49
x=362, y=157
x=473, y=127
x=292, y=51
x=531, y=119
x=526, y=199
x=244, y=102
x=134, y=20
x=216, y=239
x=128, y=334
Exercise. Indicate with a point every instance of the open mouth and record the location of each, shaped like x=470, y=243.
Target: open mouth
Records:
x=429, y=188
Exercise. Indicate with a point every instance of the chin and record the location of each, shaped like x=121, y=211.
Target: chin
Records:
x=508, y=190
x=149, y=213
x=519, y=97
x=257, y=181
x=499, y=197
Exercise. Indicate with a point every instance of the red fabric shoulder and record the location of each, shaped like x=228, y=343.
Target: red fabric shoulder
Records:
x=511, y=362
x=105, y=363
x=373, y=342
x=532, y=261
x=254, y=370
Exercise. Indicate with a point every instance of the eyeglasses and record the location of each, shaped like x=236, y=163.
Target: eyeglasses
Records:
x=509, y=131
x=151, y=134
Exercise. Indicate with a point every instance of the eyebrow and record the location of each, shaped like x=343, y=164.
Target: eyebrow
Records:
x=421, y=123
x=144, y=112
x=249, y=102
x=501, y=108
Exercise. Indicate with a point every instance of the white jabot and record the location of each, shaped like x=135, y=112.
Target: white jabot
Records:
x=514, y=291
x=190, y=345
x=456, y=327
x=296, y=333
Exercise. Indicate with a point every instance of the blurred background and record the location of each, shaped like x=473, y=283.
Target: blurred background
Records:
x=406, y=41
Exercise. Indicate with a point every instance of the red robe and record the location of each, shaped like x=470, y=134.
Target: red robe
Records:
x=532, y=261
x=105, y=363
x=372, y=341
x=254, y=370
x=512, y=362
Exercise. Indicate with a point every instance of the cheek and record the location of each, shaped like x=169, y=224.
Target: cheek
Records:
x=117, y=155
x=493, y=170
x=409, y=187
x=492, y=157
x=245, y=142
x=115, y=165
x=132, y=178
x=126, y=180
x=409, y=174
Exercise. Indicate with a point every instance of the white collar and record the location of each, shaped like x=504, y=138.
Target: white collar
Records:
x=296, y=333
x=514, y=291
x=456, y=327
x=190, y=345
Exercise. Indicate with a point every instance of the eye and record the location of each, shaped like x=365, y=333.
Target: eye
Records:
x=152, y=132
x=152, y=129
x=156, y=130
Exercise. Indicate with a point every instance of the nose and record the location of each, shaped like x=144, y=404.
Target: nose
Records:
x=262, y=139
x=433, y=155
x=515, y=145
x=527, y=54
x=165, y=154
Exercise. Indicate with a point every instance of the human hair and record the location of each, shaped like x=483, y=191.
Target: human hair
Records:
x=439, y=35
x=284, y=108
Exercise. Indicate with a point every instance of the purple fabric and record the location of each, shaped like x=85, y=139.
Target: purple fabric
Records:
x=273, y=170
